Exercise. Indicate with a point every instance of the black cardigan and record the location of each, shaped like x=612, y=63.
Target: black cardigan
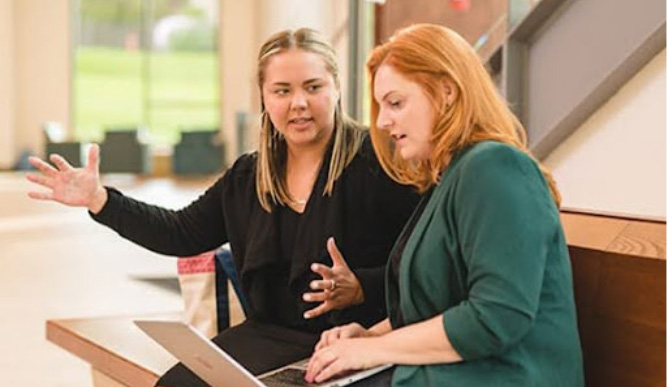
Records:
x=365, y=214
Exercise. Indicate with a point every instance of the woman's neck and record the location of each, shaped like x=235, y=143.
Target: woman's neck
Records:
x=303, y=165
x=300, y=156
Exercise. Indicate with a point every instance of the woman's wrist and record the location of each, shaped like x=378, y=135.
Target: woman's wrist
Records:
x=379, y=329
x=98, y=201
x=359, y=294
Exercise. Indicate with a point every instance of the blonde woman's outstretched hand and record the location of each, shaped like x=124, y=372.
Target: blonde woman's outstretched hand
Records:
x=78, y=187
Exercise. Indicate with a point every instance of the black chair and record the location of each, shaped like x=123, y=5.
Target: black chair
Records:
x=122, y=151
x=199, y=152
x=55, y=142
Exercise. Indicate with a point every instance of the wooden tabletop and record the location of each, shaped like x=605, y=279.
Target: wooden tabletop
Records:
x=636, y=237
x=114, y=346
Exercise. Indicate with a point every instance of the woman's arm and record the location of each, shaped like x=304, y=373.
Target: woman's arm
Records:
x=195, y=229
x=381, y=328
x=350, y=331
x=192, y=230
x=425, y=342
x=199, y=227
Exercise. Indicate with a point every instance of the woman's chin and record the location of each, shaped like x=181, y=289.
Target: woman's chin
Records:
x=406, y=154
x=414, y=154
x=303, y=139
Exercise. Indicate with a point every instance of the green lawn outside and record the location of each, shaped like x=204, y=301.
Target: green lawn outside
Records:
x=180, y=92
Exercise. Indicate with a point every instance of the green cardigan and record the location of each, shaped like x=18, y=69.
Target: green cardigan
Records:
x=488, y=252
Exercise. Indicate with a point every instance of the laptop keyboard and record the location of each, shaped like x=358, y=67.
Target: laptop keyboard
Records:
x=289, y=377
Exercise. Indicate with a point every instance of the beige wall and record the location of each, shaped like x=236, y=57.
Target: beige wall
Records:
x=7, y=89
x=279, y=15
x=615, y=162
x=42, y=47
x=238, y=48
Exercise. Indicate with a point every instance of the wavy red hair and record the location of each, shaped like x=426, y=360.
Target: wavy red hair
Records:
x=428, y=54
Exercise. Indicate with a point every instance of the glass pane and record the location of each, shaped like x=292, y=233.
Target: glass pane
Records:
x=107, y=67
x=151, y=63
x=183, y=68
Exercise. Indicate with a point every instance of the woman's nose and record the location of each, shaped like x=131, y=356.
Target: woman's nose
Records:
x=383, y=122
x=299, y=100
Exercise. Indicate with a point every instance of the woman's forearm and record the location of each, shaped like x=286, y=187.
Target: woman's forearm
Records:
x=425, y=342
x=381, y=328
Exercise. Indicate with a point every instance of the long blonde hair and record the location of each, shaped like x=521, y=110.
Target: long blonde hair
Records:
x=428, y=54
x=271, y=183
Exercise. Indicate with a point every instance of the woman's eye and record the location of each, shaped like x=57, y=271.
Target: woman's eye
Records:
x=395, y=103
x=314, y=88
x=281, y=91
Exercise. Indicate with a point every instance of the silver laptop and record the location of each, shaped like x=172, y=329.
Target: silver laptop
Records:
x=218, y=369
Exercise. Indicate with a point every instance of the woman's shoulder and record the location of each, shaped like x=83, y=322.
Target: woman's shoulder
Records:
x=365, y=157
x=244, y=166
x=487, y=155
x=240, y=177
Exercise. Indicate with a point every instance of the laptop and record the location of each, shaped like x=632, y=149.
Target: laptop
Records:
x=219, y=369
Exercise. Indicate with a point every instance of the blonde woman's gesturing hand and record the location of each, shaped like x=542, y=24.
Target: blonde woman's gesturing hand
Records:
x=339, y=287
x=78, y=187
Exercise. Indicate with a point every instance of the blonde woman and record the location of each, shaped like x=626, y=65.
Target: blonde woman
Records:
x=479, y=282
x=314, y=189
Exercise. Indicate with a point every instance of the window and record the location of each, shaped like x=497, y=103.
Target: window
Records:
x=145, y=63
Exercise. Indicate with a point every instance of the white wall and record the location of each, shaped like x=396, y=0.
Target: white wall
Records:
x=42, y=60
x=615, y=162
x=7, y=89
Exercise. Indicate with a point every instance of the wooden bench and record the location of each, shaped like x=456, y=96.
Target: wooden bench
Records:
x=118, y=352
x=619, y=280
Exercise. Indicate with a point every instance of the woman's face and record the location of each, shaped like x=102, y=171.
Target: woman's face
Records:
x=405, y=112
x=300, y=97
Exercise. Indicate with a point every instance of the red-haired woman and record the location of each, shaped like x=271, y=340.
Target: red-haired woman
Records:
x=479, y=282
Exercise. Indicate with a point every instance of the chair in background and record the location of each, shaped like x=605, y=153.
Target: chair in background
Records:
x=199, y=152
x=55, y=142
x=122, y=151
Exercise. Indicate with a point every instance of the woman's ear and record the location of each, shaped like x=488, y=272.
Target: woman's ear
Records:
x=450, y=90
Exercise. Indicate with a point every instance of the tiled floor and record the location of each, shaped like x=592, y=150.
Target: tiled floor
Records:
x=55, y=262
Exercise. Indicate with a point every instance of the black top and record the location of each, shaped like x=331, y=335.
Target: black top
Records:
x=394, y=268
x=284, y=308
x=364, y=213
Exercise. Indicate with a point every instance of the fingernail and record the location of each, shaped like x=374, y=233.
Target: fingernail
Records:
x=306, y=297
x=313, y=267
x=306, y=315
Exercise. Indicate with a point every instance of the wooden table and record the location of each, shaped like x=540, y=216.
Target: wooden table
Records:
x=119, y=353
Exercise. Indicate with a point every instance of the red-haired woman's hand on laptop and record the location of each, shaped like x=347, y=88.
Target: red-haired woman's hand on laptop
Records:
x=348, y=331
x=344, y=356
